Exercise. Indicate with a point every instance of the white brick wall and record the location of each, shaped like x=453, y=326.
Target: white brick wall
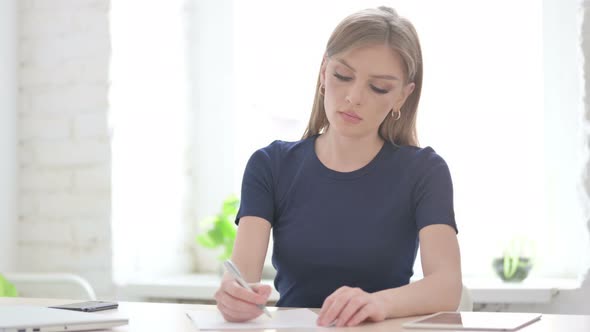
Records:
x=64, y=151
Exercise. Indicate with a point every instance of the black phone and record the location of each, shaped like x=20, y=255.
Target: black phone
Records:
x=88, y=306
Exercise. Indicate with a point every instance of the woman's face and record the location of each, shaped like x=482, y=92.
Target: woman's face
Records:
x=362, y=86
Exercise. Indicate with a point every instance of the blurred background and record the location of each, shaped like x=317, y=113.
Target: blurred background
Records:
x=125, y=124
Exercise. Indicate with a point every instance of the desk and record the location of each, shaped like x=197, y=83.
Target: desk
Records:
x=147, y=317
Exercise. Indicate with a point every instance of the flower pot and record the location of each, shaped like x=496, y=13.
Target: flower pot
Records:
x=512, y=269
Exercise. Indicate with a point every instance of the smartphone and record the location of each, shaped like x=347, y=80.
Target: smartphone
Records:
x=88, y=306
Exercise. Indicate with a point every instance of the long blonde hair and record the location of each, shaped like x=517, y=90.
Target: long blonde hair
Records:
x=374, y=26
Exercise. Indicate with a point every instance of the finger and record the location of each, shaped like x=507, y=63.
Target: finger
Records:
x=328, y=302
x=262, y=290
x=355, y=304
x=234, y=289
x=334, y=309
x=228, y=314
x=232, y=315
x=360, y=316
x=236, y=304
x=266, y=292
x=325, y=306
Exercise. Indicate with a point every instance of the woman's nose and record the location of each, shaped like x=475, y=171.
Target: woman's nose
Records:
x=355, y=95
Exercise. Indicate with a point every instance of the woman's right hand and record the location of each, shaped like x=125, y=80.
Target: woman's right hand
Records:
x=238, y=304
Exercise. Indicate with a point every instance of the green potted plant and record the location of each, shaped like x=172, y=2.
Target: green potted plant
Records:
x=515, y=264
x=6, y=288
x=220, y=230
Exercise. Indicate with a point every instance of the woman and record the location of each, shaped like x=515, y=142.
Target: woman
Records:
x=349, y=203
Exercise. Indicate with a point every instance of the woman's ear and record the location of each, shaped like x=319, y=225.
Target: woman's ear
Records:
x=406, y=92
x=408, y=89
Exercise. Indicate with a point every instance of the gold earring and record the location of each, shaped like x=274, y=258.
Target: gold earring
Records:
x=320, y=90
x=399, y=114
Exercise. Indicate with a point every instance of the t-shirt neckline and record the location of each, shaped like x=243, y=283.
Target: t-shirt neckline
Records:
x=347, y=175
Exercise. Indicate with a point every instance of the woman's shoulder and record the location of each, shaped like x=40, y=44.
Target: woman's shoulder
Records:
x=280, y=150
x=419, y=152
x=419, y=158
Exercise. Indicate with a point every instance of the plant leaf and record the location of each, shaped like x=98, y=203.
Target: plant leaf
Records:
x=6, y=288
x=228, y=229
x=205, y=241
x=221, y=231
x=510, y=266
x=230, y=207
x=216, y=233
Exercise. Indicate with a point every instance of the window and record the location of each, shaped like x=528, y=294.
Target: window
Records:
x=489, y=106
x=148, y=99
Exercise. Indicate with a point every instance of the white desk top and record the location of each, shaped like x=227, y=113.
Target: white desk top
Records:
x=147, y=317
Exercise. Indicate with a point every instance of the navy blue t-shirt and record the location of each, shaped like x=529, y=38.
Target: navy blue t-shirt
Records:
x=333, y=229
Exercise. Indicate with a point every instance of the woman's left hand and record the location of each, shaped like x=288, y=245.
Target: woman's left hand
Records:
x=349, y=307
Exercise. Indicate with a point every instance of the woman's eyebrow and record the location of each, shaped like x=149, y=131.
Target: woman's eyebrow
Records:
x=386, y=77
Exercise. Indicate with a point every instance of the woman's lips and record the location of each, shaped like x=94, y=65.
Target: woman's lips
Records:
x=350, y=117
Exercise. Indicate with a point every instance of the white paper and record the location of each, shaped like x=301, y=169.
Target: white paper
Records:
x=285, y=318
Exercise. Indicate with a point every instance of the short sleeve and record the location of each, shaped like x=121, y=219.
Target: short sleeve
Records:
x=257, y=188
x=433, y=193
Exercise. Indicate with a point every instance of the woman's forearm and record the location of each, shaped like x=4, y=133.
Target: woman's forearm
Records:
x=436, y=292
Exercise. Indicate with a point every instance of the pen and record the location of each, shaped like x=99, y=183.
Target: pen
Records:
x=233, y=270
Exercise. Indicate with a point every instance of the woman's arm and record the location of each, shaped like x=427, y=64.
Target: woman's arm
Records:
x=439, y=290
x=236, y=303
x=250, y=247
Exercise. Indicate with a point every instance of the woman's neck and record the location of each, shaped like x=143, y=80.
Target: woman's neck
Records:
x=346, y=154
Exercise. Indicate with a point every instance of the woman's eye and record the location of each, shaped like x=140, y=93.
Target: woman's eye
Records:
x=342, y=78
x=381, y=91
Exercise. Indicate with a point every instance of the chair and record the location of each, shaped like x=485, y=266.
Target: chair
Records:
x=51, y=285
x=466, y=303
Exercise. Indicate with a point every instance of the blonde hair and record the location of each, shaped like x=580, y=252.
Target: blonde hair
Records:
x=377, y=26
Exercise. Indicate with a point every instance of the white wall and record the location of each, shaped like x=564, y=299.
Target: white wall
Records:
x=64, y=146
x=8, y=90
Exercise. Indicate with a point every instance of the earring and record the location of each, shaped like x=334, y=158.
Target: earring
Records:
x=321, y=90
x=399, y=114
